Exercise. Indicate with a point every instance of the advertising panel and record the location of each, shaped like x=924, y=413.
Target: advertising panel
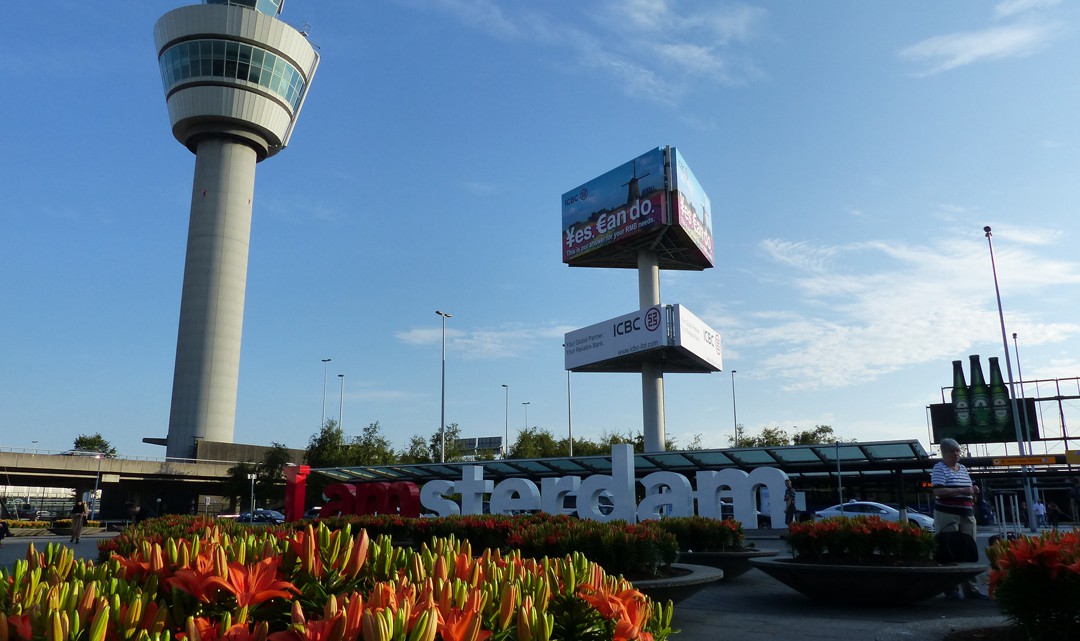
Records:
x=698, y=339
x=627, y=202
x=630, y=334
x=692, y=208
x=999, y=429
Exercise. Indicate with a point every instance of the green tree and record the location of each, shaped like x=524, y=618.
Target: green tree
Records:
x=536, y=442
x=453, y=451
x=819, y=435
x=237, y=487
x=416, y=451
x=328, y=448
x=94, y=443
x=769, y=437
x=370, y=447
x=270, y=484
x=695, y=443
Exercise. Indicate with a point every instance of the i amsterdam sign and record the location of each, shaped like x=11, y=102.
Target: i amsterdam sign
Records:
x=665, y=494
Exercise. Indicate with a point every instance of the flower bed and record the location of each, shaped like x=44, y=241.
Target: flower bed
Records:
x=1036, y=581
x=861, y=540
x=316, y=585
x=640, y=550
x=700, y=534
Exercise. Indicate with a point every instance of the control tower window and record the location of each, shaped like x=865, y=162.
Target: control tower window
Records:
x=230, y=61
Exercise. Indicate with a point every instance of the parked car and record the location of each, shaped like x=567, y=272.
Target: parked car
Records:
x=270, y=517
x=313, y=512
x=869, y=508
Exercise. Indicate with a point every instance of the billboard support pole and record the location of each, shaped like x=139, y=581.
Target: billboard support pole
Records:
x=652, y=371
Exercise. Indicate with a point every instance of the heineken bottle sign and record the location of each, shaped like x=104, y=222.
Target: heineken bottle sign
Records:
x=981, y=412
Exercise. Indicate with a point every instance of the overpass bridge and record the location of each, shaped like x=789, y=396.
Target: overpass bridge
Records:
x=122, y=481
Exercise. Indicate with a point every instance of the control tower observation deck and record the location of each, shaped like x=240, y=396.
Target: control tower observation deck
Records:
x=235, y=78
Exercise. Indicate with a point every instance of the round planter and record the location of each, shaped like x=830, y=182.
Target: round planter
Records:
x=733, y=562
x=66, y=531
x=867, y=584
x=677, y=588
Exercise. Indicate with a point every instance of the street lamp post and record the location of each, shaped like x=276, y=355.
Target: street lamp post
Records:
x=506, y=423
x=442, y=412
x=1012, y=386
x=569, y=415
x=734, y=411
x=526, y=404
x=341, y=401
x=251, y=477
x=97, y=481
x=322, y=423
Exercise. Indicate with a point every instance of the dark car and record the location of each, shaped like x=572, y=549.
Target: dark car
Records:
x=269, y=517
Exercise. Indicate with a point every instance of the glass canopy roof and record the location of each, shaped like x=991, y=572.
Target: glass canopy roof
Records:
x=854, y=458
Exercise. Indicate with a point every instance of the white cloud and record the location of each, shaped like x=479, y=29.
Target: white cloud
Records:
x=655, y=50
x=943, y=53
x=868, y=309
x=1010, y=8
x=508, y=341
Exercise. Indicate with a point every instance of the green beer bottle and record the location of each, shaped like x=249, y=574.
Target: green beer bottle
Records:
x=961, y=401
x=980, y=397
x=999, y=396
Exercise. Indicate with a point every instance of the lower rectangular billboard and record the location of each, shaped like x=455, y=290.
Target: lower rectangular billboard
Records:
x=945, y=424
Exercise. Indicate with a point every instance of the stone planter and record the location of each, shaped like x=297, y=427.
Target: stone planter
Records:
x=867, y=584
x=66, y=531
x=28, y=531
x=677, y=588
x=733, y=562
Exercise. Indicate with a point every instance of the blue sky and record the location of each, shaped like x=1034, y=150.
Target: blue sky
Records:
x=852, y=151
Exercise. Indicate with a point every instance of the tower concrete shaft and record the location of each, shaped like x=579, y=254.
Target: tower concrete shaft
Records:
x=212, y=304
x=235, y=79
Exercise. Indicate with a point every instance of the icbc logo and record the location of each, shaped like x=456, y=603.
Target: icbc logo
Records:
x=652, y=319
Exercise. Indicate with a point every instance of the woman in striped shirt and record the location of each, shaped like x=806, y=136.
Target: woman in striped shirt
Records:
x=954, y=505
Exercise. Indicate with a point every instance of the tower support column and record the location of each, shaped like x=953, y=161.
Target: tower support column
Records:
x=652, y=371
x=212, y=304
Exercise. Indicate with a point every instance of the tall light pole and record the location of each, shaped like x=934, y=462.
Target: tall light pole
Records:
x=734, y=411
x=526, y=404
x=341, y=401
x=322, y=423
x=1012, y=387
x=442, y=413
x=251, y=477
x=506, y=423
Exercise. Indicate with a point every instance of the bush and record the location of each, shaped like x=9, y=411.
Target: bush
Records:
x=316, y=585
x=28, y=525
x=1036, y=581
x=701, y=534
x=861, y=539
x=66, y=523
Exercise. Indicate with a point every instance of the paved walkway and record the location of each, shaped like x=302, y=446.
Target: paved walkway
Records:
x=751, y=608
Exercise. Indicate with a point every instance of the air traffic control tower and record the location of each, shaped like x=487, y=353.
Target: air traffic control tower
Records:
x=235, y=79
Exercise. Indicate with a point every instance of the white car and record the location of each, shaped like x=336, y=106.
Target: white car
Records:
x=868, y=508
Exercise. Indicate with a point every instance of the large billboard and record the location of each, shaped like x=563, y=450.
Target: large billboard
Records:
x=693, y=210
x=981, y=412
x=652, y=202
x=641, y=331
x=668, y=333
x=628, y=201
